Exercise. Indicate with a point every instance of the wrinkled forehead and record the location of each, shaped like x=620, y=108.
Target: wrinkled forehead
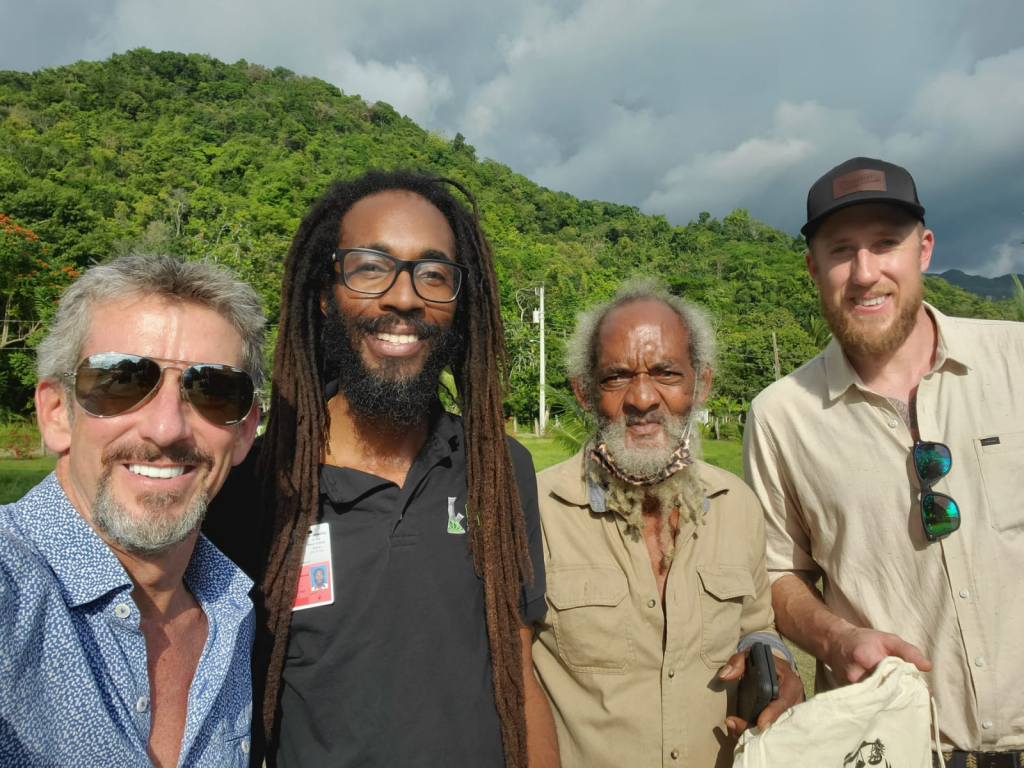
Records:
x=644, y=331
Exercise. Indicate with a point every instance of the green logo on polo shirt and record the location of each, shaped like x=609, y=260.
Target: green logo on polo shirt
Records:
x=454, y=518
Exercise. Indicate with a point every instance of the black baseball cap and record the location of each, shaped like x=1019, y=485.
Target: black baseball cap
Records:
x=858, y=181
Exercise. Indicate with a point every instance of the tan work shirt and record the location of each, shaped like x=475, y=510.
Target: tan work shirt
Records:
x=831, y=462
x=630, y=683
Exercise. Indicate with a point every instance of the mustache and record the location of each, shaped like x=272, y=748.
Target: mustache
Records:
x=634, y=419
x=386, y=323
x=141, y=453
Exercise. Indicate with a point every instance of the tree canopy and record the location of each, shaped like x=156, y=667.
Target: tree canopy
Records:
x=191, y=156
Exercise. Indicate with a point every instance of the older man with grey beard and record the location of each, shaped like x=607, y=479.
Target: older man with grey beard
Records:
x=655, y=561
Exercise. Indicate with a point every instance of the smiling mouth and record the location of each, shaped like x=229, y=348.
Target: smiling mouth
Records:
x=873, y=301
x=398, y=338
x=159, y=473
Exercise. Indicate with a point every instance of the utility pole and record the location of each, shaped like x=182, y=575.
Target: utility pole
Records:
x=775, y=346
x=540, y=314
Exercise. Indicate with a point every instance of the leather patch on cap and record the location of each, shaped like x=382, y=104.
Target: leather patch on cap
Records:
x=858, y=181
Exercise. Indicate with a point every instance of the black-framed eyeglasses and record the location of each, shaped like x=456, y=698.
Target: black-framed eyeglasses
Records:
x=367, y=271
x=111, y=383
x=939, y=512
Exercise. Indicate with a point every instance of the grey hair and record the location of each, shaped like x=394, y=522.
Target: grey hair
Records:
x=581, y=349
x=140, y=275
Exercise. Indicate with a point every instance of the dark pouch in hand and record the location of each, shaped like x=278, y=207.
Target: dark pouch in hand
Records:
x=759, y=685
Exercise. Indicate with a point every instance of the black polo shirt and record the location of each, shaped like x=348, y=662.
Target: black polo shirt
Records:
x=397, y=671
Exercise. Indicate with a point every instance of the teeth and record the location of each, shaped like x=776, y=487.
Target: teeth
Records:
x=162, y=473
x=398, y=338
x=871, y=302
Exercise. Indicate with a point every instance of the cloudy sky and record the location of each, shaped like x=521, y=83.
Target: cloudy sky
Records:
x=676, y=106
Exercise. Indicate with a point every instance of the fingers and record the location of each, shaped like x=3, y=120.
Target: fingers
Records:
x=911, y=653
x=736, y=726
x=734, y=668
x=791, y=692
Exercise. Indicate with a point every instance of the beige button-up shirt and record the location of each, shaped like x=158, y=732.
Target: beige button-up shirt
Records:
x=831, y=462
x=630, y=683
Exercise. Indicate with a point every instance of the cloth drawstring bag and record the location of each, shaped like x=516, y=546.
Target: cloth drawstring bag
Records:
x=887, y=720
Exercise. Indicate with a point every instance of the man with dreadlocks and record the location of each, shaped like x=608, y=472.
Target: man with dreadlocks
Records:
x=418, y=651
x=655, y=561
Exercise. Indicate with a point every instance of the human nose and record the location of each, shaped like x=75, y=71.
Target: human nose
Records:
x=402, y=296
x=164, y=419
x=865, y=267
x=641, y=395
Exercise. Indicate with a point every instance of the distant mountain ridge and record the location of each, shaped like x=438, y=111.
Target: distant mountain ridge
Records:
x=994, y=288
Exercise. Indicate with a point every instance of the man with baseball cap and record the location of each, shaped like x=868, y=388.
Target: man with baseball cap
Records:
x=889, y=466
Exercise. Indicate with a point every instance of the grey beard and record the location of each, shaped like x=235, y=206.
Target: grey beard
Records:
x=641, y=461
x=155, y=528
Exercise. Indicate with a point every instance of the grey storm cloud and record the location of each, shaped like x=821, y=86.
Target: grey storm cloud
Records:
x=676, y=106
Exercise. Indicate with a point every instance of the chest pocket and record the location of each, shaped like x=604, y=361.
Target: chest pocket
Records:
x=1002, y=472
x=590, y=618
x=723, y=590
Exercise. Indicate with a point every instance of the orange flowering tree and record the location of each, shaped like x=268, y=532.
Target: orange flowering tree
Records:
x=32, y=278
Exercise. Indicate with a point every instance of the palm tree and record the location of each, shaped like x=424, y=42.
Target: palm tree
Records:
x=574, y=426
x=1018, y=297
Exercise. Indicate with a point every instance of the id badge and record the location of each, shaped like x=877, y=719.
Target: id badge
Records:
x=316, y=578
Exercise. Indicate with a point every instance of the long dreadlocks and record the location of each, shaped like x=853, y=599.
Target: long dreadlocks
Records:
x=299, y=425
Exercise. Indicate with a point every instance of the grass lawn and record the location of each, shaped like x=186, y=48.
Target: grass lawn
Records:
x=17, y=476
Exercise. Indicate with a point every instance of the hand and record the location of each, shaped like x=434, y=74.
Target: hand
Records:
x=856, y=651
x=791, y=691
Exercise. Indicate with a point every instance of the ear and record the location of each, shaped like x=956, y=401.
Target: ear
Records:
x=323, y=304
x=245, y=434
x=704, y=387
x=812, y=267
x=581, y=395
x=927, y=245
x=52, y=416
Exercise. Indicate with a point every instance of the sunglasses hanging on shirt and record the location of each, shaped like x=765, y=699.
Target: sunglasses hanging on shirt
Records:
x=940, y=514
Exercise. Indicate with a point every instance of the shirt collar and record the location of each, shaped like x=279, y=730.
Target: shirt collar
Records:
x=84, y=566
x=343, y=485
x=950, y=349
x=215, y=580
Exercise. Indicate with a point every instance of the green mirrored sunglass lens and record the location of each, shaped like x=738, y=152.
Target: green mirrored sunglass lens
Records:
x=932, y=460
x=941, y=515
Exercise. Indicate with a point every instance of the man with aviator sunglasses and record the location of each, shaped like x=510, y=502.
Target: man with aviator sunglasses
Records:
x=125, y=635
x=852, y=457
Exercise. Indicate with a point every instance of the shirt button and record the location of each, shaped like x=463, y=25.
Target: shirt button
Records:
x=245, y=746
x=671, y=673
x=987, y=724
x=651, y=603
x=980, y=661
x=893, y=423
x=141, y=704
x=965, y=593
x=122, y=611
x=674, y=754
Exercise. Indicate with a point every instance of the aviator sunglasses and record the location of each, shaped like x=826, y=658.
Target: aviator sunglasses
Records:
x=112, y=383
x=939, y=512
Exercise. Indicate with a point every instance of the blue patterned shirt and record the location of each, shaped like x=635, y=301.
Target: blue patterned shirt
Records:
x=74, y=688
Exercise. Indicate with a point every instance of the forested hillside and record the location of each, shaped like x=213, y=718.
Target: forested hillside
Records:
x=185, y=154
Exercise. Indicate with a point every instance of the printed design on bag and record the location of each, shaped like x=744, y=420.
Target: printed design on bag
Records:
x=868, y=753
x=454, y=518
